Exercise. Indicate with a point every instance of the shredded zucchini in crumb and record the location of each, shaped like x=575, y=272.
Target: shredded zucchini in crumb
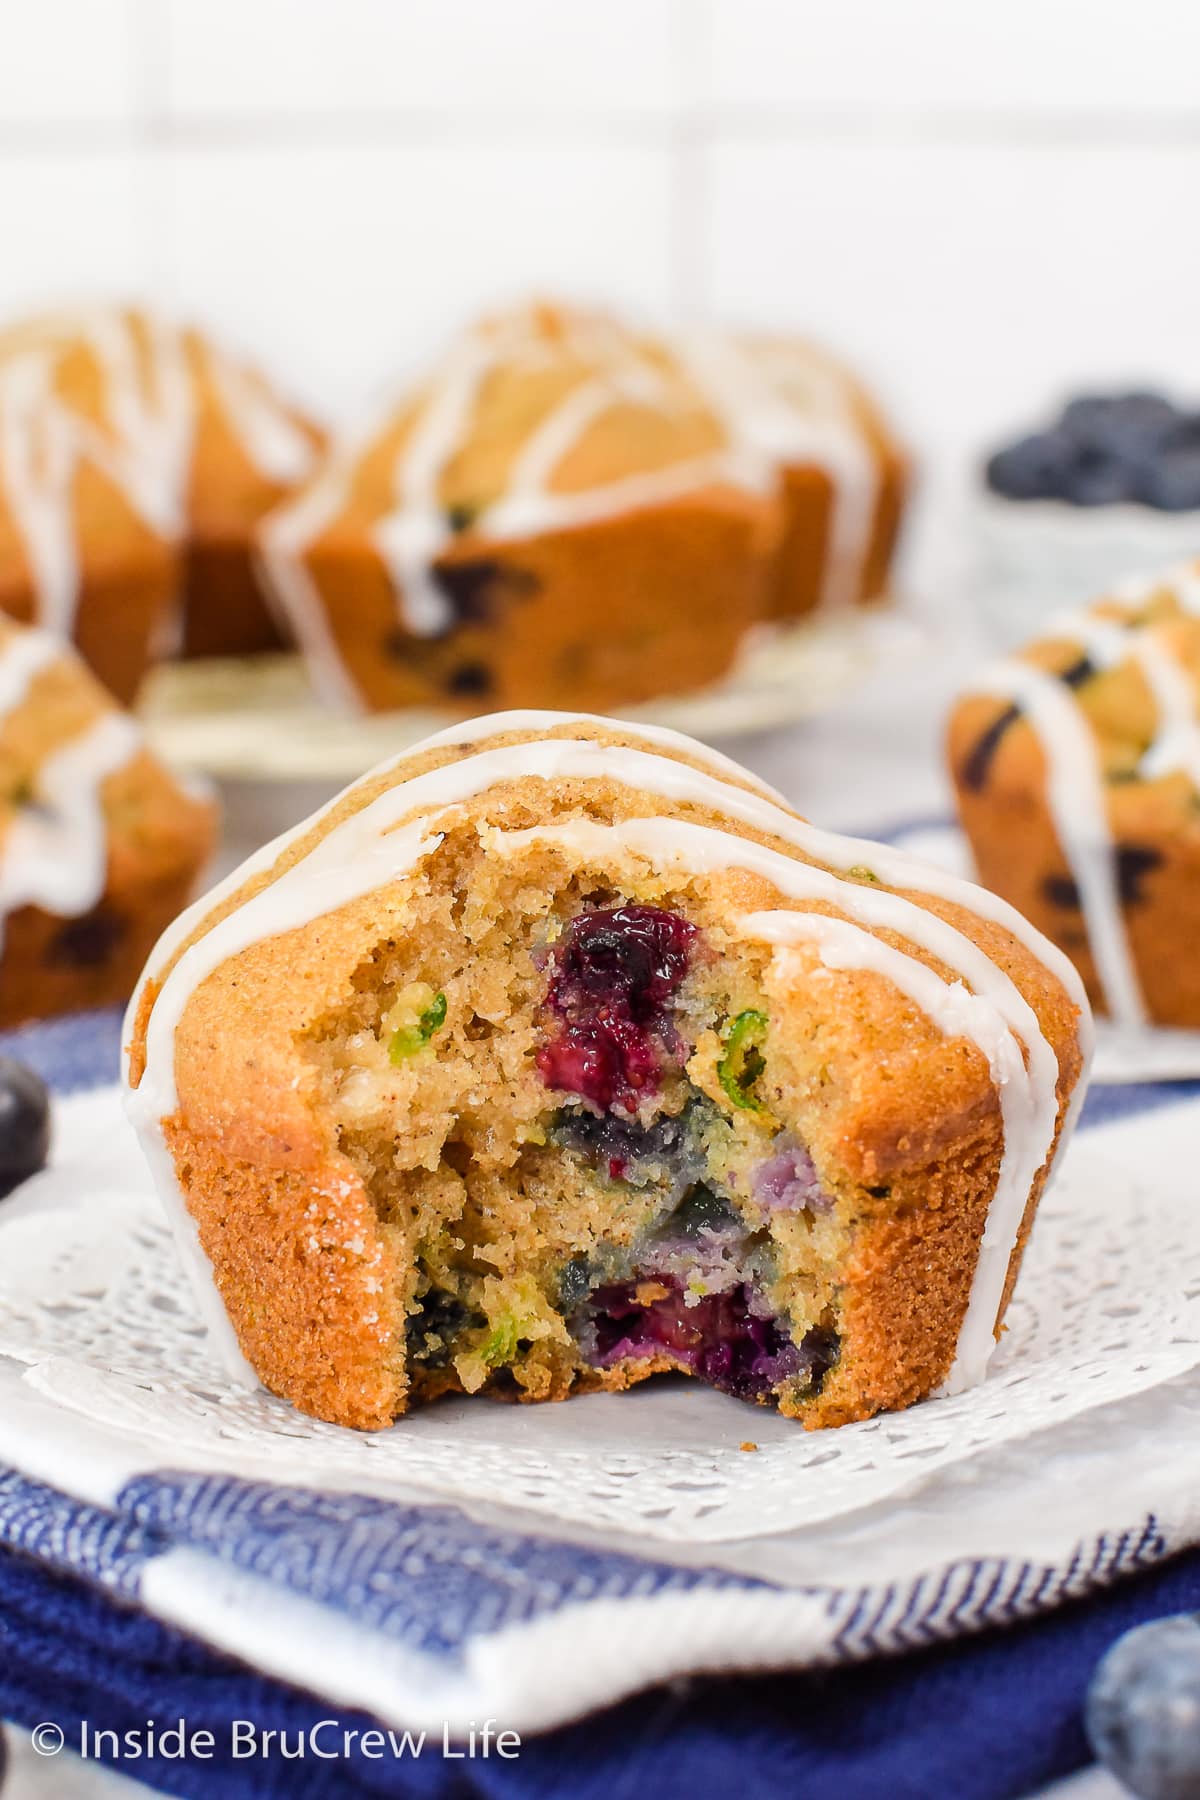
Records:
x=411, y=1021
x=744, y=1060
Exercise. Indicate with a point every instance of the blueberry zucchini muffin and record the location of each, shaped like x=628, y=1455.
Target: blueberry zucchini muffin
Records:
x=99, y=844
x=1077, y=772
x=551, y=518
x=557, y=1053
x=135, y=462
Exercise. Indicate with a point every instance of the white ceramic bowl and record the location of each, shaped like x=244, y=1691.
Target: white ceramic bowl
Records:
x=1034, y=557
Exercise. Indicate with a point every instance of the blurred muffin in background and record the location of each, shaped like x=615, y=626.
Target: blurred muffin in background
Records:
x=570, y=513
x=1077, y=771
x=1109, y=486
x=88, y=532
x=552, y=519
x=100, y=845
x=135, y=461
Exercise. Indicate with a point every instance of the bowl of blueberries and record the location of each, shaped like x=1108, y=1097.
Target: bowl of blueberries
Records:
x=1107, y=489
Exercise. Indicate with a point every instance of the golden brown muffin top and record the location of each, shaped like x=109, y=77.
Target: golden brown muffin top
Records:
x=194, y=438
x=1130, y=666
x=76, y=778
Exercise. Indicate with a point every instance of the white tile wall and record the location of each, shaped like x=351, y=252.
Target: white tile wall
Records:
x=344, y=265
x=982, y=202
x=499, y=59
x=1067, y=56
x=972, y=280
x=63, y=62
x=71, y=225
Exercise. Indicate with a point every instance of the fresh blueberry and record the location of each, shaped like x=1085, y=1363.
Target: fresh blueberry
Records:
x=1185, y=433
x=1126, y=425
x=1033, y=468
x=1143, y=1709
x=1172, y=483
x=1097, y=477
x=24, y=1124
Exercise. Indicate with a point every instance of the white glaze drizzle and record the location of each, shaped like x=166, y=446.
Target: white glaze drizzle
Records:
x=42, y=445
x=367, y=849
x=1076, y=800
x=1075, y=789
x=1176, y=747
x=148, y=401
x=1108, y=642
x=668, y=779
x=1182, y=581
x=1026, y=1106
x=417, y=531
x=992, y=1012
x=755, y=390
x=548, y=759
x=54, y=854
x=282, y=539
x=23, y=656
x=272, y=440
x=38, y=451
x=151, y=399
x=144, y=445
x=413, y=535
x=466, y=731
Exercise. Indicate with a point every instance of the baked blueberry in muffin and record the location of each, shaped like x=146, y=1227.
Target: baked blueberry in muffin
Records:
x=557, y=1052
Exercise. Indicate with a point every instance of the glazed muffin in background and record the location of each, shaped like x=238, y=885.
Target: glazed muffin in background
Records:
x=100, y=846
x=559, y=1052
x=550, y=519
x=89, y=537
x=574, y=514
x=136, y=459
x=1076, y=766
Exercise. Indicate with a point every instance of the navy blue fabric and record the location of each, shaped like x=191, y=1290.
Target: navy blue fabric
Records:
x=986, y=1720
x=427, y=1577
x=81, y=1050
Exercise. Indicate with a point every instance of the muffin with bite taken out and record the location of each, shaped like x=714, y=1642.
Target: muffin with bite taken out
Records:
x=557, y=1052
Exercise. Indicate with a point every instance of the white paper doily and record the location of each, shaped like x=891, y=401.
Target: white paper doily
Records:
x=93, y=1302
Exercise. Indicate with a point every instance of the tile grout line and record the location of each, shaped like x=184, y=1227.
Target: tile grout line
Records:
x=154, y=129
x=690, y=211
x=147, y=46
